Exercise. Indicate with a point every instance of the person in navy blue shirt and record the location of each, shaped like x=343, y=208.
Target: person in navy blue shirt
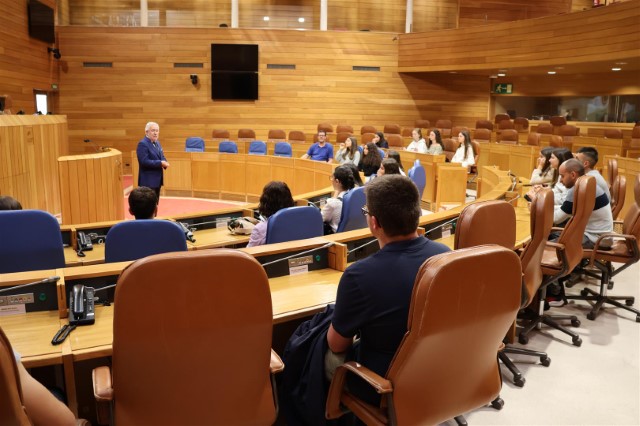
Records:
x=321, y=150
x=374, y=293
x=151, y=159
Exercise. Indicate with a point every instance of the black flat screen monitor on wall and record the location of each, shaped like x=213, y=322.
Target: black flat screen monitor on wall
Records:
x=41, y=21
x=234, y=57
x=229, y=85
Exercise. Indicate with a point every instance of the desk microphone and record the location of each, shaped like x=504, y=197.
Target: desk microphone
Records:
x=52, y=279
x=514, y=180
x=299, y=254
x=96, y=147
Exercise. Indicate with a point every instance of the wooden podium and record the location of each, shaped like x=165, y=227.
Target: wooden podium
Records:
x=91, y=187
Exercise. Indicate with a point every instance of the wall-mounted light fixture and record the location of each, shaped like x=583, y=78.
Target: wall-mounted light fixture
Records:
x=194, y=79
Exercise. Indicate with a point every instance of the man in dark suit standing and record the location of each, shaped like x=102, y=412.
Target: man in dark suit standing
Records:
x=151, y=159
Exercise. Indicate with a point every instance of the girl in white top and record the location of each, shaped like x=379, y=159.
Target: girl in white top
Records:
x=465, y=154
x=418, y=144
x=342, y=181
x=435, y=146
x=544, y=173
x=348, y=152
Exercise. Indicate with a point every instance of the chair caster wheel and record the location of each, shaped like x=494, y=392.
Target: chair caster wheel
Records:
x=591, y=316
x=497, y=403
x=519, y=383
x=577, y=341
x=584, y=292
x=629, y=302
x=545, y=360
x=575, y=323
x=523, y=339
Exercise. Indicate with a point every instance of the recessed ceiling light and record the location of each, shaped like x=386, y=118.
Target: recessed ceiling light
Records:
x=266, y=18
x=621, y=63
x=502, y=70
x=301, y=20
x=551, y=72
x=559, y=68
x=616, y=69
x=501, y=74
x=453, y=72
x=493, y=76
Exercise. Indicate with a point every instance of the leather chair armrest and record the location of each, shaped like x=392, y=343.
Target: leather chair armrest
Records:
x=380, y=384
x=102, y=386
x=276, y=365
x=556, y=228
x=630, y=241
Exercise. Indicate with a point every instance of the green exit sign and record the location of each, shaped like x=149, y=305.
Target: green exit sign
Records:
x=503, y=88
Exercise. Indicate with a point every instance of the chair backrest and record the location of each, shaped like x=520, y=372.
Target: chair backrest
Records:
x=135, y=239
x=283, y=149
x=407, y=131
x=455, y=131
x=568, y=130
x=352, y=217
x=422, y=124
x=618, y=195
x=367, y=129
x=445, y=128
x=484, y=124
x=541, y=222
x=276, y=135
x=365, y=138
x=228, y=147
x=612, y=171
x=555, y=141
x=31, y=240
x=545, y=129
x=557, y=121
x=500, y=117
x=456, y=324
x=257, y=148
x=508, y=136
x=584, y=198
x=418, y=176
x=635, y=137
x=393, y=129
x=486, y=222
x=344, y=128
x=613, y=133
x=482, y=134
x=394, y=140
x=476, y=150
x=521, y=124
x=506, y=124
x=12, y=411
x=294, y=223
x=450, y=147
x=246, y=134
x=297, y=136
x=193, y=300
x=342, y=136
x=220, y=134
x=194, y=144
x=533, y=139
x=327, y=127
x=631, y=224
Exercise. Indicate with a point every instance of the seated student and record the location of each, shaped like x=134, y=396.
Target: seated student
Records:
x=396, y=156
x=42, y=407
x=275, y=196
x=356, y=174
x=371, y=160
x=380, y=141
x=374, y=293
x=544, y=173
x=417, y=144
x=600, y=220
x=559, y=156
x=465, y=154
x=434, y=144
x=321, y=150
x=143, y=203
x=588, y=156
x=342, y=181
x=389, y=166
x=348, y=152
x=9, y=203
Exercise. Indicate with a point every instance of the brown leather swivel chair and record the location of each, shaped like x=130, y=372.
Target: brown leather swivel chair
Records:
x=246, y=135
x=342, y=136
x=624, y=250
x=445, y=128
x=508, y=136
x=498, y=118
x=560, y=257
x=482, y=135
x=365, y=138
x=12, y=410
x=367, y=129
x=506, y=125
x=484, y=124
x=618, y=195
x=633, y=150
x=450, y=147
x=407, y=131
x=612, y=172
x=521, y=124
x=434, y=375
x=455, y=131
x=533, y=139
x=276, y=135
x=557, y=121
x=191, y=342
x=344, y=128
x=613, y=133
x=392, y=129
x=327, y=127
x=220, y=135
x=422, y=124
x=296, y=136
x=544, y=129
x=395, y=140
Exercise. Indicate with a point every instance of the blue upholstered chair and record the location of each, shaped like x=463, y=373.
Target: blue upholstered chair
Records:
x=194, y=144
x=418, y=176
x=352, y=217
x=29, y=240
x=135, y=239
x=228, y=147
x=283, y=149
x=257, y=148
x=294, y=223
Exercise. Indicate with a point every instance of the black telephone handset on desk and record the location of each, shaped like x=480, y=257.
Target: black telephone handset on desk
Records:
x=84, y=243
x=81, y=305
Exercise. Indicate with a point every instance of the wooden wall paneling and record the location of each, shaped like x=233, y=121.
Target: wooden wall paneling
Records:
x=205, y=177
x=177, y=178
x=612, y=33
x=372, y=15
x=233, y=183
x=522, y=160
x=499, y=155
x=282, y=169
x=304, y=176
x=434, y=15
x=482, y=12
x=258, y=174
x=452, y=186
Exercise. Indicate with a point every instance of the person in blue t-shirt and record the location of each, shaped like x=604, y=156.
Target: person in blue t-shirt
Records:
x=374, y=294
x=321, y=150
